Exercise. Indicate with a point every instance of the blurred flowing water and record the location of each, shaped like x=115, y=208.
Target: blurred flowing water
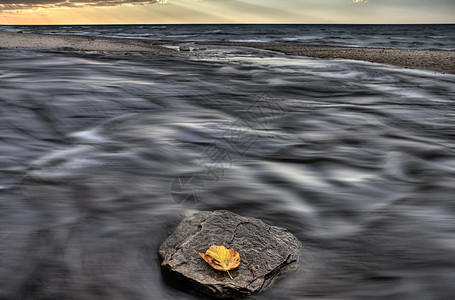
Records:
x=101, y=153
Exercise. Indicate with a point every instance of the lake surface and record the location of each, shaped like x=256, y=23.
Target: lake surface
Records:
x=416, y=36
x=101, y=153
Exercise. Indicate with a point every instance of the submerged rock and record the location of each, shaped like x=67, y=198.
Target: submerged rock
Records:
x=184, y=48
x=265, y=253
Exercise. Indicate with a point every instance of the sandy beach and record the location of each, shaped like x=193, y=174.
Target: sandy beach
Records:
x=432, y=60
x=10, y=40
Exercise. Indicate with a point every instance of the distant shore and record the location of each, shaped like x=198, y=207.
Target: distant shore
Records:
x=431, y=60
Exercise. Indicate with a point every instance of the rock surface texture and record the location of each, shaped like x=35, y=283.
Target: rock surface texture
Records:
x=265, y=253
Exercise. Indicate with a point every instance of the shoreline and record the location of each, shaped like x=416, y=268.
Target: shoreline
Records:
x=442, y=61
x=10, y=40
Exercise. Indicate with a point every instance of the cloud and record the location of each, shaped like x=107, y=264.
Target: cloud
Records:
x=37, y=4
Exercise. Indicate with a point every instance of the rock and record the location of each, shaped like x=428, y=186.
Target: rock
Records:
x=265, y=253
x=184, y=48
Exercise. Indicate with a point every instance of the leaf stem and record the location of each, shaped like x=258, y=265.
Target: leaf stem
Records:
x=229, y=274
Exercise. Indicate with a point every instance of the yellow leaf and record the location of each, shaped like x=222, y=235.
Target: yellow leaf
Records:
x=220, y=258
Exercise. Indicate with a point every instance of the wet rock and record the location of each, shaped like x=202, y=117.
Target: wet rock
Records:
x=184, y=48
x=266, y=252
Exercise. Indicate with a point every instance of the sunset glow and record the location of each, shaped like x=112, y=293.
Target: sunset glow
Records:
x=41, y=12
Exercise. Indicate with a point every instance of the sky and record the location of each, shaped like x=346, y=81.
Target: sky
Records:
x=45, y=12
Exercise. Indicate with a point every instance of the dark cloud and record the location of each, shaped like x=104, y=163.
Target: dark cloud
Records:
x=29, y=4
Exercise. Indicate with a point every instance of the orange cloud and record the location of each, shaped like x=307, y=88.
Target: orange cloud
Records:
x=19, y=5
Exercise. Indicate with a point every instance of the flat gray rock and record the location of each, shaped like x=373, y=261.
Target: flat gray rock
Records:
x=265, y=253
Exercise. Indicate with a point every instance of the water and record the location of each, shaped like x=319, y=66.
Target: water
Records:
x=435, y=36
x=355, y=159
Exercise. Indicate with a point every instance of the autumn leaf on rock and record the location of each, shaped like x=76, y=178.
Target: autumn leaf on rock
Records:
x=220, y=258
